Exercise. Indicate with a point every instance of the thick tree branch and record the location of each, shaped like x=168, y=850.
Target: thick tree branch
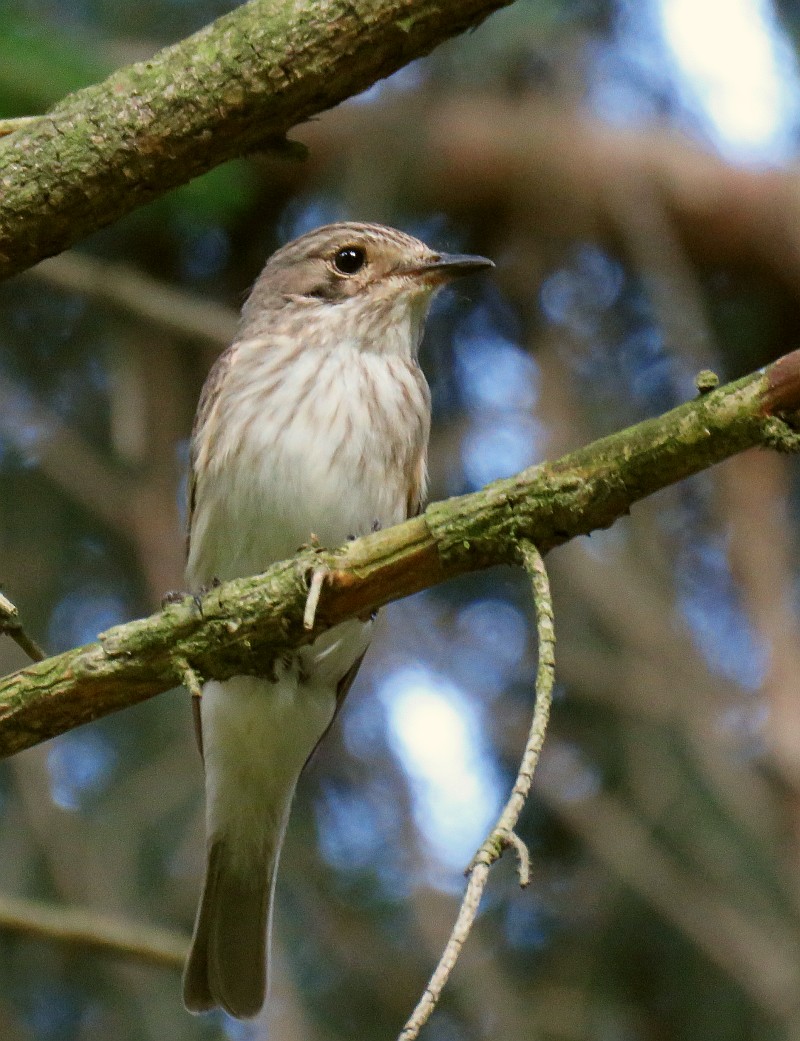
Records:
x=242, y=626
x=235, y=87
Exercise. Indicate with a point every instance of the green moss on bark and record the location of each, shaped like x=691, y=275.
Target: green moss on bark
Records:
x=233, y=88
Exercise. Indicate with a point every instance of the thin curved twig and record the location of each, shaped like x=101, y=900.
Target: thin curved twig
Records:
x=314, y=591
x=502, y=834
x=11, y=625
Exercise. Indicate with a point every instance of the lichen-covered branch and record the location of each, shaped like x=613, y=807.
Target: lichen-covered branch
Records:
x=233, y=88
x=242, y=626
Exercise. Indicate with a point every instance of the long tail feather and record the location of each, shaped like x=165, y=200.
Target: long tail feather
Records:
x=227, y=965
x=257, y=736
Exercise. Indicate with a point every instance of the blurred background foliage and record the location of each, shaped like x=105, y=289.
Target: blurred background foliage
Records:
x=631, y=165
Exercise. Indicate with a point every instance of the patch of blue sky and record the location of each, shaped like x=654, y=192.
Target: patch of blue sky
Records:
x=79, y=766
x=724, y=70
x=82, y=613
x=707, y=599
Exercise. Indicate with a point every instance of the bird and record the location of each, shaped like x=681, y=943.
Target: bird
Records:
x=313, y=423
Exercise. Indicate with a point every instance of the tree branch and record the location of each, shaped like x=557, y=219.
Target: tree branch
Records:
x=540, y=167
x=233, y=88
x=12, y=626
x=241, y=627
x=88, y=928
x=138, y=294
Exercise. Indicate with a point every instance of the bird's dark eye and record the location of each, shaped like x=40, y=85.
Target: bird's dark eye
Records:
x=349, y=259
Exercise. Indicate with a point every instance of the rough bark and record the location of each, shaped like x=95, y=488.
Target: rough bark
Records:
x=233, y=88
x=242, y=626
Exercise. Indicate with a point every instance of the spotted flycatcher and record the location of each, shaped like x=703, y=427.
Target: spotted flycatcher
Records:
x=315, y=420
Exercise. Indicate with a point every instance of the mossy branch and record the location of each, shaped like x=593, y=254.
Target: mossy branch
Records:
x=242, y=626
x=234, y=88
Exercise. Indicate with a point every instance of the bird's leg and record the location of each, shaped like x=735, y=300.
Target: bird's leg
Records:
x=318, y=576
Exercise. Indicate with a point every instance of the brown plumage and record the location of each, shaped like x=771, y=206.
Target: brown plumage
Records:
x=315, y=420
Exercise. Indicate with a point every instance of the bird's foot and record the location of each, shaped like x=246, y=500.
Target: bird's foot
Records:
x=177, y=596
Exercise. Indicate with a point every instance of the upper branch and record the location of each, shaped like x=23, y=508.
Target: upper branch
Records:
x=242, y=626
x=234, y=87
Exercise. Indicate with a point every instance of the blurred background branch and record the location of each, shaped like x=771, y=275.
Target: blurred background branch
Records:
x=142, y=297
x=87, y=929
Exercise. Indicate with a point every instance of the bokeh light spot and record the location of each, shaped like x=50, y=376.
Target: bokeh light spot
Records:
x=435, y=732
x=79, y=765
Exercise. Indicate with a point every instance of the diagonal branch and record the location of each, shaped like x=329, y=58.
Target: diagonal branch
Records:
x=12, y=626
x=241, y=627
x=85, y=927
x=233, y=88
x=141, y=296
x=65, y=457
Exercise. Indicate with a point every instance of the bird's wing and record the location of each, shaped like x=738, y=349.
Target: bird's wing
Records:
x=342, y=687
x=417, y=487
x=206, y=411
x=198, y=724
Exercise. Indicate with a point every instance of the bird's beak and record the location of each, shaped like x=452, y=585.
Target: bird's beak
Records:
x=446, y=266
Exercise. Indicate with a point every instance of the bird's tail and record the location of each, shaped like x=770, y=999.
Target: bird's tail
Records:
x=257, y=736
x=227, y=964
